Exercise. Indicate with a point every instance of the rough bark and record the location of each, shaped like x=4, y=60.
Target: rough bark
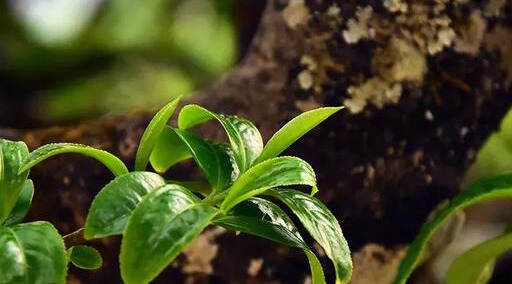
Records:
x=382, y=164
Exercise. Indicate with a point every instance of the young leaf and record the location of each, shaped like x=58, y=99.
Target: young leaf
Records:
x=497, y=187
x=85, y=257
x=264, y=219
x=115, y=165
x=323, y=227
x=280, y=171
x=294, y=130
x=151, y=134
x=22, y=205
x=168, y=151
x=213, y=159
x=11, y=181
x=164, y=223
x=471, y=266
x=36, y=255
x=244, y=137
x=114, y=204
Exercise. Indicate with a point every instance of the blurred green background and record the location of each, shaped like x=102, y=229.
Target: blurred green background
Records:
x=67, y=60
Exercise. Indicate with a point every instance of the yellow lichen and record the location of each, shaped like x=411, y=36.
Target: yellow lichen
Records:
x=358, y=28
x=375, y=91
x=296, y=13
x=400, y=61
x=471, y=35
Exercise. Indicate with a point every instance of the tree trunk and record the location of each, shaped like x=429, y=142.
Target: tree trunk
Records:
x=424, y=85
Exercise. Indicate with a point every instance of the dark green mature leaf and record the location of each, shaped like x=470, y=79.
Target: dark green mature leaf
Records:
x=294, y=130
x=11, y=181
x=164, y=223
x=22, y=205
x=13, y=263
x=213, y=159
x=244, y=137
x=150, y=137
x=32, y=253
x=497, y=187
x=168, y=151
x=281, y=171
x=114, y=204
x=473, y=265
x=85, y=257
x=115, y=165
x=264, y=219
x=323, y=227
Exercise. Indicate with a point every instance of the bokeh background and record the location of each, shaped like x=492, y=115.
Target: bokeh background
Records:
x=67, y=60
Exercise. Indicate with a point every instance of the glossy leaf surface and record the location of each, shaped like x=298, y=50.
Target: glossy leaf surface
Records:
x=244, y=137
x=12, y=155
x=168, y=151
x=22, y=204
x=281, y=171
x=152, y=133
x=113, y=163
x=37, y=256
x=264, y=219
x=497, y=187
x=113, y=205
x=213, y=159
x=322, y=226
x=163, y=224
x=294, y=130
x=85, y=257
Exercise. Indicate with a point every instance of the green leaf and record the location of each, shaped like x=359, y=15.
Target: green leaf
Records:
x=113, y=205
x=322, y=226
x=150, y=137
x=162, y=225
x=32, y=253
x=168, y=151
x=264, y=219
x=115, y=165
x=13, y=264
x=85, y=257
x=11, y=181
x=213, y=159
x=244, y=137
x=294, y=130
x=280, y=171
x=22, y=205
x=497, y=187
x=476, y=264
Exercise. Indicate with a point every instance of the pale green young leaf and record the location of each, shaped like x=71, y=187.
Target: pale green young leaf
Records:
x=294, y=130
x=322, y=226
x=113, y=205
x=152, y=132
x=22, y=204
x=244, y=137
x=85, y=257
x=113, y=163
x=168, y=151
x=32, y=253
x=264, y=219
x=11, y=180
x=473, y=265
x=214, y=160
x=497, y=187
x=280, y=171
x=162, y=225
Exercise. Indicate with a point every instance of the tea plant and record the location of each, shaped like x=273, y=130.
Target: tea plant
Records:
x=157, y=218
x=476, y=265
